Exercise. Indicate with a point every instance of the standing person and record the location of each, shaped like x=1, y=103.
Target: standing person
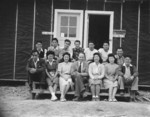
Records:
x=64, y=70
x=36, y=68
x=119, y=56
x=111, y=76
x=79, y=72
x=52, y=74
x=89, y=52
x=104, y=51
x=55, y=47
x=128, y=75
x=77, y=50
x=96, y=73
x=40, y=49
x=66, y=48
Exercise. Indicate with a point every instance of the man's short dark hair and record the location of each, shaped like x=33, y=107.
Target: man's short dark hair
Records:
x=50, y=52
x=106, y=42
x=77, y=41
x=33, y=51
x=38, y=42
x=67, y=40
x=55, y=39
x=129, y=56
x=119, y=48
x=91, y=42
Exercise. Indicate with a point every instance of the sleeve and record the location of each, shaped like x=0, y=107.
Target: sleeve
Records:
x=103, y=72
x=59, y=67
x=90, y=71
x=135, y=72
x=106, y=71
x=100, y=50
x=42, y=68
x=27, y=66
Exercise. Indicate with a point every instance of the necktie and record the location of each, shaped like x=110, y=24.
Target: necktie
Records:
x=79, y=69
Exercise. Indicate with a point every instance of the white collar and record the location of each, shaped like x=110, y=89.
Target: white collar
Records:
x=125, y=65
x=36, y=60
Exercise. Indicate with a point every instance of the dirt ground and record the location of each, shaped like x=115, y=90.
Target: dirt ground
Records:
x=15, y=102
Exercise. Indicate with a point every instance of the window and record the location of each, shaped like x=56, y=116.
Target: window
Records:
x=68, y=26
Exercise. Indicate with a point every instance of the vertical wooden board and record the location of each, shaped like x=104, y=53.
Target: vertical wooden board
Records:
x=24, y=40
x=7, y=37
x=95, y=5
x=43, y=21
x=144, y=50
x=130, y=24
x=116, y=7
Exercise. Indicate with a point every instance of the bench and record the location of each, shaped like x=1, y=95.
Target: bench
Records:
x=40, y=88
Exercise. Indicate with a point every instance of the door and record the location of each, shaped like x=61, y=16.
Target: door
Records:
x=98, y=28
x=68, y=24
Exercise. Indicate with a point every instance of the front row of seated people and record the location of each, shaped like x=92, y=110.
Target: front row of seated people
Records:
x=96, y=68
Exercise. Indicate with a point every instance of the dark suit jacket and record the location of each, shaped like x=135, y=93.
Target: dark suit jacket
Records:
x=75, y=67
x=40, y=65
x=133, y=70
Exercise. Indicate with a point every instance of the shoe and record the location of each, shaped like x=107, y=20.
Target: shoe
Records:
x=84, y=94
x=114, y=100
x=63, y=100
x=109, y=100
x=76, y=99
x=97, y=99
x=121, y=93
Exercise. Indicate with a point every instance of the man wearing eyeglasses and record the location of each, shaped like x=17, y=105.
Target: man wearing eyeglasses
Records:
x=35, y=68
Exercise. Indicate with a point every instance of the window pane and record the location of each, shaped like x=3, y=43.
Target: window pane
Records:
x=63, y=31
x=64, y=20
x=73, y=21
x=72, y=32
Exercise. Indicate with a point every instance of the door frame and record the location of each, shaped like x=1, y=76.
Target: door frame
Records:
x=86, y=26
x=59, y=11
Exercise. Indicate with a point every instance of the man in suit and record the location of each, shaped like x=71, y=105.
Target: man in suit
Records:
x=79, y=73
x=128, y=75
x=35, y=68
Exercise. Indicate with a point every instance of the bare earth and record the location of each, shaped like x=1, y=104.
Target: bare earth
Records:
x=14, y=103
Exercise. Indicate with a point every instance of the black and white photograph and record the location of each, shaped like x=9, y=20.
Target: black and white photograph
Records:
x=75, y=58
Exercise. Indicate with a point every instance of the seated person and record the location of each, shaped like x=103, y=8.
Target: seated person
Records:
x=52, y=74
x=96, y=73
x=104, y=51
x=66, y=48
x=55, y=47
x=36, y=68
x=111, y=76
x=77, y=50
x=64, y=70
x=128, y=75
x=89, y=52
x=79, y=72
x=119, y=56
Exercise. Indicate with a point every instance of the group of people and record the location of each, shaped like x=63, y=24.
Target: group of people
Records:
x=80, y=68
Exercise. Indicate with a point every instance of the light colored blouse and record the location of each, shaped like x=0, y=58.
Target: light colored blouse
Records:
x=111, y=71
x=96, y=71
x=65, y=68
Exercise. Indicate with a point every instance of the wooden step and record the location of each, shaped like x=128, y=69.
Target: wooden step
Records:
x=40, y=91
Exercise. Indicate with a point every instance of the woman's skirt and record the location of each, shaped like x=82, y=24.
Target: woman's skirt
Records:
x=108, y=83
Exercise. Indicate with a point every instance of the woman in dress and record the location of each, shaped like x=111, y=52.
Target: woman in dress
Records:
x=64, y=70
x=96, y=73
x=52, y=74
x=111, y=76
